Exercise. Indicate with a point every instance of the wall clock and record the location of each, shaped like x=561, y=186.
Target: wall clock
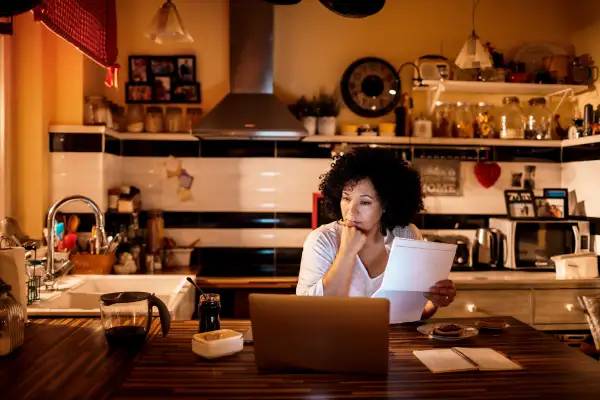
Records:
x=371, y=87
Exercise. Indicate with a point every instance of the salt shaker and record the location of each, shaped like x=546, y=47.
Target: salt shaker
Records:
x=12, y=321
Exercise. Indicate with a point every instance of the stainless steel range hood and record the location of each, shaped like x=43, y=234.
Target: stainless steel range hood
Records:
x=250, y=110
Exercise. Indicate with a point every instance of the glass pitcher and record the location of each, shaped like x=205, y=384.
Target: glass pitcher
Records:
x=127, y=316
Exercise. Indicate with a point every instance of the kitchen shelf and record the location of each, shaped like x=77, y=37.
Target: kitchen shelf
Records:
x=449, y=142
x=452, y=142
x=498, y=87
x=91, y=129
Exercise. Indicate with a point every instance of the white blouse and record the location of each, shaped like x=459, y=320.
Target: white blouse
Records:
x=319, y=252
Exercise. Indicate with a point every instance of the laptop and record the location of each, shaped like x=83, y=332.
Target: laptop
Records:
x=320, y=333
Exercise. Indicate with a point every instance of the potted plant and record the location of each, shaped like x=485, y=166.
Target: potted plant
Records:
x=328, y=109
x=306, y=111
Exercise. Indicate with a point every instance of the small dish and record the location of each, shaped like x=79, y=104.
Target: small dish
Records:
x=467, y=332
x=496, y=326
x=215, y=344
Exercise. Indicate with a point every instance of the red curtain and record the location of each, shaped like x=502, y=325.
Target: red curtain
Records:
x=90, y=25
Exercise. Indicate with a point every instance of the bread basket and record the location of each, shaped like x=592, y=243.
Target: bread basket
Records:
x=92, y=264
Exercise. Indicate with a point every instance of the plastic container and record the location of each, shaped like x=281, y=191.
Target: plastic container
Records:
x=178, y=257
x=214, y=344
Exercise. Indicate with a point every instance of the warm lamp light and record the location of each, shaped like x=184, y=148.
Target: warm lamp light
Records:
x=166, y=26
x=473, y=53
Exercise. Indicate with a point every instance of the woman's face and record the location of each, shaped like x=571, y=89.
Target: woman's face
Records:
x=360, y=205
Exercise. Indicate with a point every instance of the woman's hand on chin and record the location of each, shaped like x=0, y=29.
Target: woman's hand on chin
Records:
x=442, y=293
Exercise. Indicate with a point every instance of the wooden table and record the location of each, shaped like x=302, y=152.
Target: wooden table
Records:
x=70, y=359
x=167, y=368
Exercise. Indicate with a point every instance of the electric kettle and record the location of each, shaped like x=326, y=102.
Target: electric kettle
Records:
x=489, y=249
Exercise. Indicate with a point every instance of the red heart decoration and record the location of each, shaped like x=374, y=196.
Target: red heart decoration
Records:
x=487, y=173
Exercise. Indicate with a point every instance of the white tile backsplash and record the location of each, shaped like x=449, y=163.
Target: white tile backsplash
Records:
x=478, y=200
x=583, y=177
x=239, y=237
x=77, y=174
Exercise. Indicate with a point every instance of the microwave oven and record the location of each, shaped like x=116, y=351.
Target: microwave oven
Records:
x=530, y=244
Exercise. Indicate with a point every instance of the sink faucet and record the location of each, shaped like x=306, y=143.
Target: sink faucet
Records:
x=100, y=234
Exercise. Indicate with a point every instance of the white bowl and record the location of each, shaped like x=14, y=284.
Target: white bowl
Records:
x=214, y=344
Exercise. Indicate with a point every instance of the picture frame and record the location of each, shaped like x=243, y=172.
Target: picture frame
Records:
x=551, y=207
x=171, y=79
x=520, y=204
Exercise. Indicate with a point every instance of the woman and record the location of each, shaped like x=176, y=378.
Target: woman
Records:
x=374, y=195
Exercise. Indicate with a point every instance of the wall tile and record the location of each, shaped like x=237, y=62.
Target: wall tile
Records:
x=582, y=176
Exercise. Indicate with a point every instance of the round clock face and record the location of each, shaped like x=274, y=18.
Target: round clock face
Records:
x=371, y=87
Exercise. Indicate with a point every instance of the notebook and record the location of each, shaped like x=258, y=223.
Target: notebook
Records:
x=458, y=359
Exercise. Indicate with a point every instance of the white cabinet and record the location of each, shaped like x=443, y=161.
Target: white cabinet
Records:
x=544, y=309
x=560, y=306
x=489, y=303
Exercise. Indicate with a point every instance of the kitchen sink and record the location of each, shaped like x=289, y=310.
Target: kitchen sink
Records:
x=82, y=298
x=129, y=283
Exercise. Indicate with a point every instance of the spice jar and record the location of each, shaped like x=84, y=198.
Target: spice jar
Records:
x=154, y=120
x=444, y=119
x=511, y=119
x=12, y=321
x=156, y=228
x=484, y=121
x=539, y=120
x=174, y=120
x=464, y=120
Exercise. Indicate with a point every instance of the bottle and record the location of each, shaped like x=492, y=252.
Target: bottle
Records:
x=12, y=321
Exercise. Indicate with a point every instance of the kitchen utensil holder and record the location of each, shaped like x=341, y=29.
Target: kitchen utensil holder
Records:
x=94, y=264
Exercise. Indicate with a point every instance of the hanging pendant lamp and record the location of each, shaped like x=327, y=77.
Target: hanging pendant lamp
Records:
x=166, y=26
x=473, y=53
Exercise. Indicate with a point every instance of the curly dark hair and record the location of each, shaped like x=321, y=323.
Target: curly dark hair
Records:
x=398, y=186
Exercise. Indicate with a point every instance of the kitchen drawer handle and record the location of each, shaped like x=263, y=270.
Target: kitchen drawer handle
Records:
x=471, y=307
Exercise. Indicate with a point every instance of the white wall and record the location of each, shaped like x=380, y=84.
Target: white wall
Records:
x=584, y=178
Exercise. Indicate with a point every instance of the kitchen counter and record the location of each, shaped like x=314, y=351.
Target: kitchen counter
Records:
x=504, y=279
x=70, y=359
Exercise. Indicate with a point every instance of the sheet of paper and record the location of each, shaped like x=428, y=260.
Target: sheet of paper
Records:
x=443, y=360
x=416, y=265
x=404, y=306
x=488, y=359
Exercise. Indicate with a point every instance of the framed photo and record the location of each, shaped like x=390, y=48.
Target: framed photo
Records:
x=162, y=66
x=186, y=69
x=138, y=69
x=520, y=204
x=186, y=93
x=138, y=93
x=162, y=89
x=551, y=207
x=162, y=79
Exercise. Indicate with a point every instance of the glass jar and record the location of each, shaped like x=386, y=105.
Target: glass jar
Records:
x=156, y=231
x=12, y=321
x=484, y=121
x=511, y=119
x=193, y=115
x=444, y=119
x=209, y=309
x=539, y=120
x=464, y=120
x=154, y=120
x=96, y=110
x=174, y=120
x=135, y=118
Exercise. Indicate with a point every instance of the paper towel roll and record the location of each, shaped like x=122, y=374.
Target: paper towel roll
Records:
x=12, y=271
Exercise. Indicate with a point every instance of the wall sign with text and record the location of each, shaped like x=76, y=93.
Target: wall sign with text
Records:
x=439, y=177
